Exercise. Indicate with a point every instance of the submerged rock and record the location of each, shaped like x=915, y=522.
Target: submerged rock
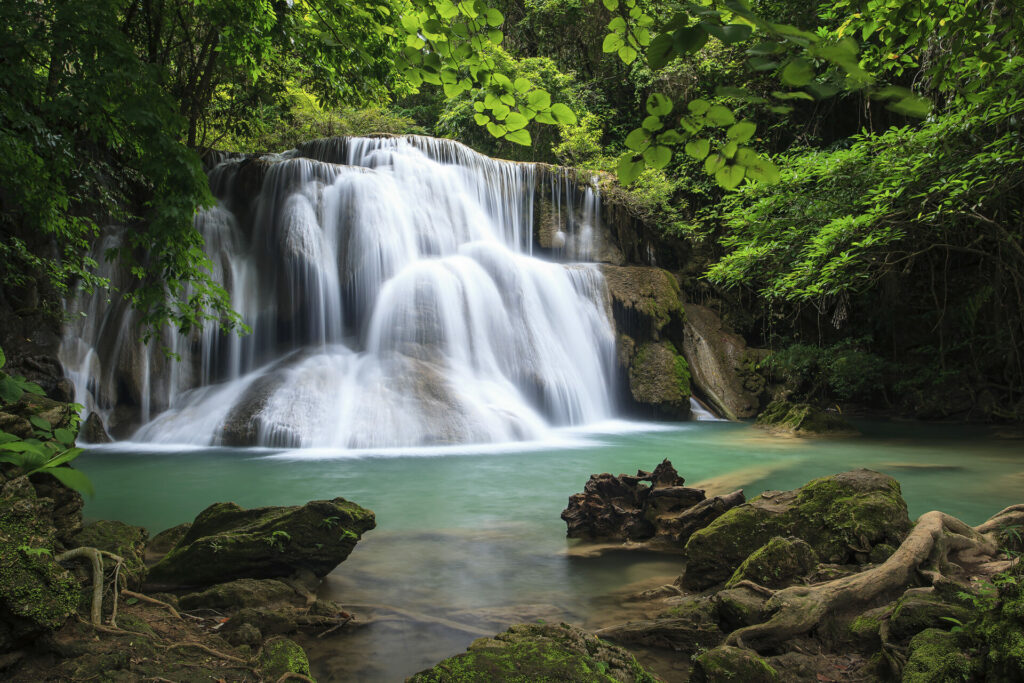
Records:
x=841, y=517
x=721, y=366
x=227, y=542
x=649, y=506
x=802, y=419
x=539, y=652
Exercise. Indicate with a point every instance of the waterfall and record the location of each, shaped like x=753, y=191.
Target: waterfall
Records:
x=394, y=298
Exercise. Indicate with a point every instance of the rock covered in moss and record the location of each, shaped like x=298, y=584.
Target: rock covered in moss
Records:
x=281, y=656
x=227, y=542
x=37, y=595
x=645, y=300
x=15, y=417
x=777, y=563
x=934, y=657
x=841, y=517
x=163, y=542
x=541, y=653
x=739, y=607
x=918, y=610
x=122, y=539
x=659, y=378
x=239, y=593
x=802, y=419
x=727, y=663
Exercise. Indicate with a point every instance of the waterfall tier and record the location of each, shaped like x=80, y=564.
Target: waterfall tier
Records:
x=394, y=299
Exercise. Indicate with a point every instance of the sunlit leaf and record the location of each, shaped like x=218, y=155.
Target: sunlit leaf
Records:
x=657, y=156
x=658, y=104
x=628, y=169
x=698, y=149
x=719, y=115
x=730, y=176
x=520, y=137
x=742, y=131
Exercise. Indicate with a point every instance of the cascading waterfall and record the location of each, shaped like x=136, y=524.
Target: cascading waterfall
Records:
x=394, y=300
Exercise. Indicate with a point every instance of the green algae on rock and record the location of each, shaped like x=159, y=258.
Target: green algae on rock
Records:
x=802, y=419
x=227, y=542
x=539, y=653
x=841, y=517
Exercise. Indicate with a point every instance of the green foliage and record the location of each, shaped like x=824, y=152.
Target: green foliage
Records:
x=843, y=371
x=49, y=448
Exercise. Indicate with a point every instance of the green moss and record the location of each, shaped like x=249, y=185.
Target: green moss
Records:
x=935, y=658
x=281, y=656
x=649, y=293
x=802, y=419
x=916, y=612
x=539, y=653
x=726, y=663
x=776, y=564
x=659, y=377
x=838, y=516
x=122, y=539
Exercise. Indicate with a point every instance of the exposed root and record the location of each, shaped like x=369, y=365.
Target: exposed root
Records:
x=756, y=587
x=935, y=541
x=291, y=675
x=95, y=556
x=152, y=601
x=209, y=650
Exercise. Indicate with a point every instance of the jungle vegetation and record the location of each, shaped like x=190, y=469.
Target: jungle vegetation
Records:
x=847, y=174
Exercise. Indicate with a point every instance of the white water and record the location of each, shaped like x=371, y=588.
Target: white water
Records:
x=393, y=301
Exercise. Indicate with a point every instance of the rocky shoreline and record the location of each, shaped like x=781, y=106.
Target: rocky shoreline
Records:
x=828, y=582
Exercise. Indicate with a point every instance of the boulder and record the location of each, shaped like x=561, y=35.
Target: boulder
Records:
x=739, y=607
x=776, y=564
x=539, y=652
x=227, y=542
x=649, y=506
x=688, y=627
x=646, y=302
x=14, y=418
x=163, y=542
x=37, y=595
x=727, y=663
x=722, y=368
x=121, y=539
x=93, y=430
x=921, y=609
x=239, y=593
x=934, y=657
x=842, y=517
x=281, y=656
x=659, y=379
x=802, y=419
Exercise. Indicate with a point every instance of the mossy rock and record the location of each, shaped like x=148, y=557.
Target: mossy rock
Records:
x=776, y=564
x=240, y=593
x=660, y=378
x=122, y=539
x=14, y=418
x=538, y=653
x=644, y=300
x=739, y=607
x=802, y=419
x=1002, y=631
x=727, y=663
x=37, y=595
x=865, y=631
x=163, y=542
x=841, y=517
x=934, y=657
x=281, y=656
x=916, y=612
x=227, y=542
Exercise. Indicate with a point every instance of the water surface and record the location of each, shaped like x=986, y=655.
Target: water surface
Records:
x=469, y=539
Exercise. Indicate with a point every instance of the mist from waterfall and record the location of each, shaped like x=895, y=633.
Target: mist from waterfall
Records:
x=394, y=300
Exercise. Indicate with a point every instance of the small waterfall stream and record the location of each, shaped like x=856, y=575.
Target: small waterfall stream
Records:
x=394, y=300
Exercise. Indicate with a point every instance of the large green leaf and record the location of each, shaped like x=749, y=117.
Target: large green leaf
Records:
x=563, y=114
x=658, y=105
x=638, y=140
x=10, y=392
x=719, y=115
x=660, y=51
x=727, y=33
x=628, y=169
x=688, y=40
x=657, y=156
x=612, y=43
x=515, y=121
x=741, y=132
x=730, y=176
x=520, y=137
x=797, y=73
x=73, y=479
x=698, y=149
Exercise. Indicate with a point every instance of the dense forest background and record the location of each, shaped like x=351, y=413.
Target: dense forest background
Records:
x=878, y=255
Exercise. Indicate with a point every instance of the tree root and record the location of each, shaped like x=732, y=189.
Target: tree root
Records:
x=208, y=650
x=95, y=556
x=291, y=675
x=152, y=601
x=935, y=541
